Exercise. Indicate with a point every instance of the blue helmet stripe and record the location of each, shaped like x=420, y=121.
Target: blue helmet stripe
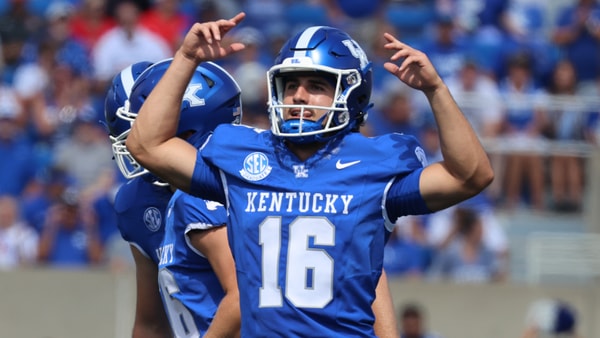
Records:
x=304, y=40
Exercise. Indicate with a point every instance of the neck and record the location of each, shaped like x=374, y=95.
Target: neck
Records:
x=304, y=151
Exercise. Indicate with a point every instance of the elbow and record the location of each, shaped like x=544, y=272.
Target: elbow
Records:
x=482, y=178
x=135, y=148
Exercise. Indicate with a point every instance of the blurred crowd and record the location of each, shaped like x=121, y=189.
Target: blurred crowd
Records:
x=526, y=74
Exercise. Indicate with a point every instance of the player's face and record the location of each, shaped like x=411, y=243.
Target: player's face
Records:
x=310, y=90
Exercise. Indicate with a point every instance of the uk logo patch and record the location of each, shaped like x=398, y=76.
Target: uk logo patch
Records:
x=256, y=167
x=300, y=171
x=152, y=219
x=212, y=205
x=420, y=153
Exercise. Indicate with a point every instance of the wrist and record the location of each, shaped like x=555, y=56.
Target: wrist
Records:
x=435, y=90
x=184, y=58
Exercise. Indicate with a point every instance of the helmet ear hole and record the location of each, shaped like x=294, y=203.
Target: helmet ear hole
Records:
x=208, y=80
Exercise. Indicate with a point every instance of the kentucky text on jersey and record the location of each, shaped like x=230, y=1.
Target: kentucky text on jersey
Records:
x=165, y=254
x=303, y=202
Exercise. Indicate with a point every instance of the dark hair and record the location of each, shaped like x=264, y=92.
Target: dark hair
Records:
x=519, y=60
x=411, y=310
x=466, y=218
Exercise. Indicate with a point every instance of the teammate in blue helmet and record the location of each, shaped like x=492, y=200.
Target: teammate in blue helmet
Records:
x=183, y=253
x=212, y=98
x=311, y=202
x=140, y=220
x=118, y=129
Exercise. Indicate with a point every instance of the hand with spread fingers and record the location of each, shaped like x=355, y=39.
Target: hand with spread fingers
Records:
x=415, y=68
x=204, y=41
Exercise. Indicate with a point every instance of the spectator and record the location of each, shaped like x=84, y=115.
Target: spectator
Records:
x=17, y=26
x=378, y=52
x=479, y=98
x=407, y=253
x=446, y=49
x=567, y=116
x=464, y=257
x=528, y=21
x=45, y=191
x=90, y=22
x=69, y=238
x=18, y=241
x=577, y=33
x=68, y=51
x=262, y=14
x=15, y=149
x=127, y=43
x=590, y=94
x=396, y=111
x=440, y=228
x=165, y=19
x=54, y=90
x=85, y=155
x=249, y=69
x=413, y=322
x=522, y=126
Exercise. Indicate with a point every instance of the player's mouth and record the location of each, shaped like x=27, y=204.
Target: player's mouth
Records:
x=296, y=113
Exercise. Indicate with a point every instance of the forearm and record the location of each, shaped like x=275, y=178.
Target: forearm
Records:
x=158, y=118
x=226, y=322
x=383, y=308
x=464, y=156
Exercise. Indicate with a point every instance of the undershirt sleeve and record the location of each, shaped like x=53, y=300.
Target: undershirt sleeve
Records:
x=404, y=197
x=206, y=181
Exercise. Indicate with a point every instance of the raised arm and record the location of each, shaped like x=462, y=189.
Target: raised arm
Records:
x=465, y=169
x=152, y=140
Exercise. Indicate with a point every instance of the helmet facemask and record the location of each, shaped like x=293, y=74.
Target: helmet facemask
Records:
x=128, y=166
x=337, y=116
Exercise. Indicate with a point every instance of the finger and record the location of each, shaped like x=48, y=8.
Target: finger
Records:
x=236, y=47
x=407, y=62
x=400, y=54
x=391, y=67
x=216, y=30
x=392, y=40
x=389, y=37
x=224, y=26
x=203, y=30
x=238, y=18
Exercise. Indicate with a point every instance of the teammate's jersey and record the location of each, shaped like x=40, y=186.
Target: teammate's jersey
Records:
x=140, y=207
x=190, y=289
x=302, y=232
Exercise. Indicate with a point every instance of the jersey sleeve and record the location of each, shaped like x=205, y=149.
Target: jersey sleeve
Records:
x=404, y=196
x=197, y=213
x=206, y=182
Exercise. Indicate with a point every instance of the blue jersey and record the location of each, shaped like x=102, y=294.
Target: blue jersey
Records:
x=140, y=207
x=307, y=237
x=191, y=291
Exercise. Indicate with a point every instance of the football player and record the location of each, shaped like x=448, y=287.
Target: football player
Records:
x=183, y=252
x=312, y=201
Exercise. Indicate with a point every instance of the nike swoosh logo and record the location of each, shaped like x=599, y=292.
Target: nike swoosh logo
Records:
x=340, y=165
